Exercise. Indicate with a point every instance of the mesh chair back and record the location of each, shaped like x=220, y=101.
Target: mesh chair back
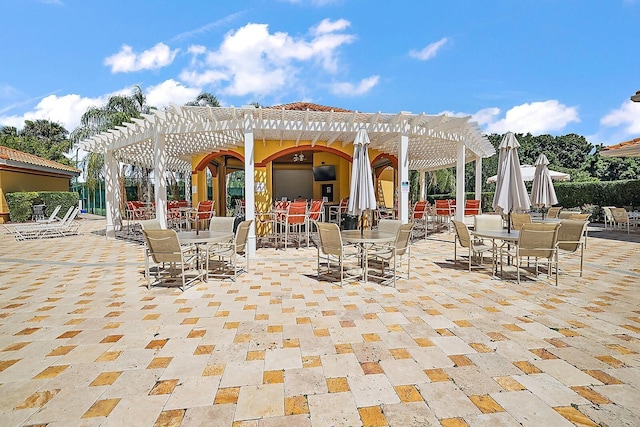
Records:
x=462, y=232
x=242, y=235
x=222, y=223
x=538, y=239
x=420, y=209
x=553, y=212
x=205, y=209
x=330, y=238
x=163, y=245
x=517, y=219
x=580, y=216
x=570, y=234
x=403, y=237
x=472, y=207
x=443, y=207
x=488, y=223
x=150, y=224
x=315, y=210
x=390, y=226
x=297, y=213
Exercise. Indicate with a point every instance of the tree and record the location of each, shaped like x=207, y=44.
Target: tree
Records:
x=117, y=110
x=41, y=138
x=205, y=99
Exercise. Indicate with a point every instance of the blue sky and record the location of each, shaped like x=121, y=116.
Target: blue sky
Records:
x=539, y=66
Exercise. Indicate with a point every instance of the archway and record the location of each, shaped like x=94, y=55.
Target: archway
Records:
x=224, y=178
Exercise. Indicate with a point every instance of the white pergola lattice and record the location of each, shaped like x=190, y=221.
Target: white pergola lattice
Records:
x=167, y=139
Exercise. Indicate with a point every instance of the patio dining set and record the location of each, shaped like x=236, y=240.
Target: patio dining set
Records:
x=529, y=241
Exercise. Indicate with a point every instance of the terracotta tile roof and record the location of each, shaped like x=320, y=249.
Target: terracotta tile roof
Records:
x=7, y=153
x=304, y=106
x=634, y=143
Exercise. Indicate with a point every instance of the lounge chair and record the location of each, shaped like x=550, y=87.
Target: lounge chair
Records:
x=52, y=217
x=66, y=226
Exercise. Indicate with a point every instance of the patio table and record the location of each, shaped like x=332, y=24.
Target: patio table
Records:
x=202, y=237
x=494, y=235
x=364, y=239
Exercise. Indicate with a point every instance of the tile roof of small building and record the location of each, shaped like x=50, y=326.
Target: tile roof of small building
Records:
x=304, y=106
x=7, y=153
x=623, y=149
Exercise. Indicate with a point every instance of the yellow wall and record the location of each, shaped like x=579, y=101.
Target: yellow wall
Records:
x=263, y=150
x=20, y=181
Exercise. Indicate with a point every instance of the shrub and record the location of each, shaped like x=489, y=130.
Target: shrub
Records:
x=20, y=202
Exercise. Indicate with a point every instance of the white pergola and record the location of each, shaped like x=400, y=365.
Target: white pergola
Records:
x=167, y=139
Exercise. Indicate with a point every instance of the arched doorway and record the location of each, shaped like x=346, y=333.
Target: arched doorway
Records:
x=224, y=179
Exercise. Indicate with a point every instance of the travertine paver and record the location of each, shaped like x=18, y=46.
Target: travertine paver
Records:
x=83, y=342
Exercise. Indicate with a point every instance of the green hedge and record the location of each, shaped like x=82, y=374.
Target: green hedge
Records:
x=586, y=196
x=20, y=202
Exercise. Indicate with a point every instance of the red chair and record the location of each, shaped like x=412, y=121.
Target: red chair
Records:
x=420, y=218
x=315, y=214
x=472, y=207
x=445, y=211
x=335, y=212
x=202, y=215
x=295, y=221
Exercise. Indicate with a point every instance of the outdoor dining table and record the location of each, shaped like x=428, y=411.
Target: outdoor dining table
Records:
x=497, y=235
x=364, y=239
x=199, y=238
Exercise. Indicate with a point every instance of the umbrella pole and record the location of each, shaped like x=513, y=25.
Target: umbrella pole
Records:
x=509, y=222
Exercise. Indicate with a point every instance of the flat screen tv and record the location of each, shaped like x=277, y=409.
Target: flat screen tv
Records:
x=324, y=173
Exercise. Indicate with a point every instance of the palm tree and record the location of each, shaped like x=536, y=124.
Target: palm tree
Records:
x=117, y=110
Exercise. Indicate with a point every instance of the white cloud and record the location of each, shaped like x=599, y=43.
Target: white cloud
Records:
x=535, y=118
x=329, y=26
x=627, y=117
x=65, y=110
x=251, y=60
x=170, y=92
x=127, y=60
x=429, y=51
x=349, y=89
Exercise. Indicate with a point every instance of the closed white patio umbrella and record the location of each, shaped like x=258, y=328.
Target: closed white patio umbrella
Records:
x=528, y=172
x=542, y=192
x=511, y=193
x=362, y=197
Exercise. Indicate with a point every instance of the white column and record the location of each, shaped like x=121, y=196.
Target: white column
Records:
x=159, y=169
x=460, y=162
x=478, y=178
x=403, y=178
x=423, y=184
x=112, y=195
x=187, y=186
x=249, y=183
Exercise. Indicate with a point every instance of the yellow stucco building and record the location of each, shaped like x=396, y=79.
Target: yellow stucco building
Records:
x=21, y=171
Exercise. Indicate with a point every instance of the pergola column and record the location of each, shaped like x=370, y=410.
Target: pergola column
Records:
x=460, y=162
x=249, y=182
x=160, y=167
x=403, y=178
x=478, y=178
x=423, y=184
x=187, y=186
x=112, y=194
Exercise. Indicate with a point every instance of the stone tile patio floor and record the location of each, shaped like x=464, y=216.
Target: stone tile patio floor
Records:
x=84, y=343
